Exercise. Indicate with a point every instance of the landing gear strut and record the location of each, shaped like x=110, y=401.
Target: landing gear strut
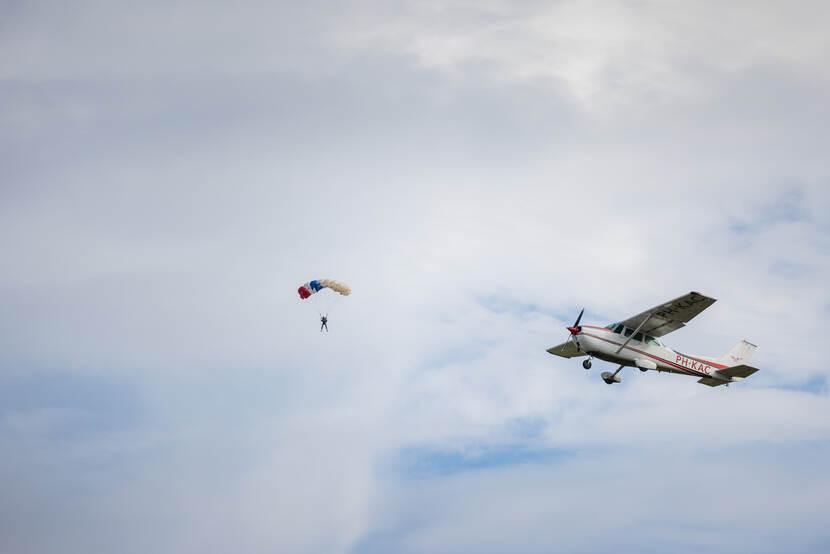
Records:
x=586, y=363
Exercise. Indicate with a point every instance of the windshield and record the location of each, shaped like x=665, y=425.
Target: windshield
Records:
x=654, y=341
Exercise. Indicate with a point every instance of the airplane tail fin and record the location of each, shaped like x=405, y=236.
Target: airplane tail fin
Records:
x=739, y=354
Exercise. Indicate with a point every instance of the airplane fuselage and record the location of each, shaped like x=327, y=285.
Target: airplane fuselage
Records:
x=606, y=345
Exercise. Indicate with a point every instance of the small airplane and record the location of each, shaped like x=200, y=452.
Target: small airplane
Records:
x=635, y=342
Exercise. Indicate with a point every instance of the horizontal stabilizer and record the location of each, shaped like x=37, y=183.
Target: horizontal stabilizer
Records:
x=712, y=382
x=742, y=371
x=729, y=375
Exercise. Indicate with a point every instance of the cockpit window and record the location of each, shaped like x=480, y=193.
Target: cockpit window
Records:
x=627, y=331
x=652, y=340
x=611, y=326
x=639, y=337
x=619, y=328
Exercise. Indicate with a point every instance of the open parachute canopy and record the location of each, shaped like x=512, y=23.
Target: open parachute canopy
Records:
x=314, y=286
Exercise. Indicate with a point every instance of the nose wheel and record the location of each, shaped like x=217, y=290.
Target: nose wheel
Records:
x=612, y=378
x=586, y=363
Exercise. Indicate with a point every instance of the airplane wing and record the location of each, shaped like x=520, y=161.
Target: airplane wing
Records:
x=566, y=350
x=672, y=315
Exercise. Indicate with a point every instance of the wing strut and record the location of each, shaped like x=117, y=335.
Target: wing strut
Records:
x=631, y=336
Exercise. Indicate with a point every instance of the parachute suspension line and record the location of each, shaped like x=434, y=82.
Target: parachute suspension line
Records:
x=325, y=302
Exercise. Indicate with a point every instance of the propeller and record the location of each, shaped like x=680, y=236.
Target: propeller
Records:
x=574, y=329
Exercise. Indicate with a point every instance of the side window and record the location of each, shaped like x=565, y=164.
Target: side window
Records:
x=619, y=329
x=638, y=337
x=628, y=332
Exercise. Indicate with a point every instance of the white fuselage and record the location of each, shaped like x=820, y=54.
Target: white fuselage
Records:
x=605, y=344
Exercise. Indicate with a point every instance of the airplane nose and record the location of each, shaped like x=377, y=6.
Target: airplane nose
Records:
x=574, y=330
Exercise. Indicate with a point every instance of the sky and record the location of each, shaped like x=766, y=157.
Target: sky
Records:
x=478, y=172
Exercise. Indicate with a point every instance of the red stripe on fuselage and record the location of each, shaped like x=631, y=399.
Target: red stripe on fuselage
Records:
x=663, y=360
x=704, y=362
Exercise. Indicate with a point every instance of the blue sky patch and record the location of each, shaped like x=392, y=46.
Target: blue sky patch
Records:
x=788, y=206
x=817, y=384
x=424, y=462
x=96, y=404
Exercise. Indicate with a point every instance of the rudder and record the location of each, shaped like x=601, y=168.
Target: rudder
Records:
x=739, y=354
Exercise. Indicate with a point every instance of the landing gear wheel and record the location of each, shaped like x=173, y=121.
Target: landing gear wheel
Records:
x=586, y=364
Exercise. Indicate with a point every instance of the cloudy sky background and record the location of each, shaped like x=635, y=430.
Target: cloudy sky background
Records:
x=477, y=172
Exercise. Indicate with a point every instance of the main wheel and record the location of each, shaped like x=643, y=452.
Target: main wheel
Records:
x=586, y=364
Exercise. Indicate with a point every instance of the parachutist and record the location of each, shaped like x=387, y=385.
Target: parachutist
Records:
x=322, y=303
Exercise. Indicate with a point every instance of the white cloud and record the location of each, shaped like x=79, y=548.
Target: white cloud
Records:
x=477, y=173
x=603, y=52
